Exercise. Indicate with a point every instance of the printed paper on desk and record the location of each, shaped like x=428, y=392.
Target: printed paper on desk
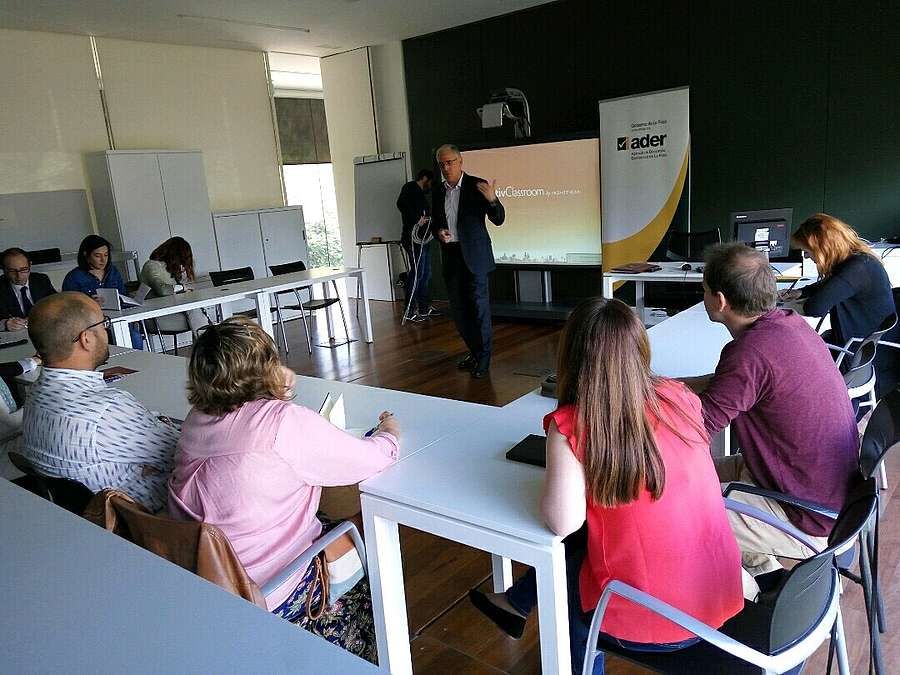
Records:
x=332, y=409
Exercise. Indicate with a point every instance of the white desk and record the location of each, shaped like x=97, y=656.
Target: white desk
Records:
x=672, y=272
x=161, y=380
x=464, y=489
x=79, y=599
x=9, y=351
x=259, y=290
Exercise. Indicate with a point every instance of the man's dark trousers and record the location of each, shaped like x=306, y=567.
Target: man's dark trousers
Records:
x=470, y=304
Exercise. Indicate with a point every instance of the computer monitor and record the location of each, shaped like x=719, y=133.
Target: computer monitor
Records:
x=767, y=230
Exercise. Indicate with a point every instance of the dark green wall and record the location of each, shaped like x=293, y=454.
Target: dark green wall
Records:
x=792, y=103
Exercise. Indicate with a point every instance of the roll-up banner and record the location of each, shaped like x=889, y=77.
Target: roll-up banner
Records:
x=645, y=145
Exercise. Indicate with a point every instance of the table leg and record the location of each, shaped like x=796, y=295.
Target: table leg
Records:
x=607, y=287
x=364, y=299
x=121, y=334
x=263, y=312
x=553, y=607
x=639, y=298
x=329, y=318
x=388, y=595
x=502, y=572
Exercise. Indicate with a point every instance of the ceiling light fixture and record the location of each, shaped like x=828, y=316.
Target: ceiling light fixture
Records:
x=243, y=23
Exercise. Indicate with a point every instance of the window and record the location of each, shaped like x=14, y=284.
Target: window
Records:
x=308, y=175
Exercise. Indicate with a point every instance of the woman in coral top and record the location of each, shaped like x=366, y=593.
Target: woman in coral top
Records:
x=252, y=463
x=627, y=452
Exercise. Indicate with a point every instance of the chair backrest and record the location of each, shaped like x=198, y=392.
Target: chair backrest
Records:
x=197, y=547
x=45, y=255
x=806, y=593
x=690, y=245
x=802, y=601
x=858, y=368
x=287, y=268
x=882, y=433
x=69, y=494
x=231, y=276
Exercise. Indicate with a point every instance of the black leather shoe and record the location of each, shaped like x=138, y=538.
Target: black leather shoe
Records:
x=467, y=363
x=480, y=372
x=511, y=624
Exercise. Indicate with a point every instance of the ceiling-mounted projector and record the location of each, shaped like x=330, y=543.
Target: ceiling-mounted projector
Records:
x=507, y=104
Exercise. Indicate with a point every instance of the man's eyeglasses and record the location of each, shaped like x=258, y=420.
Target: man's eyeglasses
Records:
x=106, y=322
x=18, y=270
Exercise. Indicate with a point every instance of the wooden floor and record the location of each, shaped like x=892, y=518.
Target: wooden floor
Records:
x=448, y=635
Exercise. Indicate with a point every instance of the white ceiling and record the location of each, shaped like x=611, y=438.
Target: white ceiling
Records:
x=266, y=25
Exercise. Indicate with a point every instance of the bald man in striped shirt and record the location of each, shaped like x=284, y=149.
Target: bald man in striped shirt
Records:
x=77, y=427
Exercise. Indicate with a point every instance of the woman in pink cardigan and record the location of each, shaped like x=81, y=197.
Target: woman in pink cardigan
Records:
x=253, y=464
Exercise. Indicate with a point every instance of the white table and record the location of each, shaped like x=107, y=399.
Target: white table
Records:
x=464, y=489
x=672, y=272
x=161, y=380
x=79, y=599
x=9, y=351
x=259, y=290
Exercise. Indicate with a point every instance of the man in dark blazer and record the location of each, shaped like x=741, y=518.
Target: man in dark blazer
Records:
x=20, y=289
x=459, y=205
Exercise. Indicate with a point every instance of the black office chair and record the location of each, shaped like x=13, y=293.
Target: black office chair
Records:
x=311, y=305
x=681, y=246
x=44, y=255
x=234, y=276
x=774, y=634
x=231, y=276
x=881, y=435
x=69, y=494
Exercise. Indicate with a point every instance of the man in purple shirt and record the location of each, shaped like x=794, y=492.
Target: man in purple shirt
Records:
x=777, y=385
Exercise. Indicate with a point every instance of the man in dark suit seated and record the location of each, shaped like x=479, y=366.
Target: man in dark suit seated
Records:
x=20, y=289
x=459, y=207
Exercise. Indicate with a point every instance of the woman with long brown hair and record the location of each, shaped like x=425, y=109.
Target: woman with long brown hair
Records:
x=628, y=453
x=170, y=270
x=853, y=287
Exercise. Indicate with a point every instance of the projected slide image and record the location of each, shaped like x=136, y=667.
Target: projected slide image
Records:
x=551, y=193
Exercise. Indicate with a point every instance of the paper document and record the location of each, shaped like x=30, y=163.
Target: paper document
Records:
x=332, y=409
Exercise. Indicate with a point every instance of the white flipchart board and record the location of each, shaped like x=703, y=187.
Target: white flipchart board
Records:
x=377, y=181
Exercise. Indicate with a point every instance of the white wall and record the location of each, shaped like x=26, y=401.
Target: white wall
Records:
x=391, y=114
x=351, y=131
x=50, y=114
x=159, y=96
x=197, y=98
x=365, y=105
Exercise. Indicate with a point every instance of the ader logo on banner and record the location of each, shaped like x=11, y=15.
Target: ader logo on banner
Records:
x=638, y=142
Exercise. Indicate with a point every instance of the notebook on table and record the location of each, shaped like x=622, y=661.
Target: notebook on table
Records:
x=637, y=268
x=530, y=450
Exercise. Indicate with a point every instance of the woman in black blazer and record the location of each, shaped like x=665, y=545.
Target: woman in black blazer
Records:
x=853, y=287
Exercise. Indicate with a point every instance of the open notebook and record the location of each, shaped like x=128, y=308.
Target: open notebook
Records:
x=110, y=298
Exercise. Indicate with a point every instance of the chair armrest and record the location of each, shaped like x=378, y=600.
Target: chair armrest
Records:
x=769, y=519
x=781, y=498
x=835, y=348
x=676, y=616
x=302, y=561
x=888, y=344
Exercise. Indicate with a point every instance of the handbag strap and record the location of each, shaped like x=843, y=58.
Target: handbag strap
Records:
x=319, y=580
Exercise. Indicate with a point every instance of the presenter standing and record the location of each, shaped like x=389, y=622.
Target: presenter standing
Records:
x=414, y=211
x=459, y=206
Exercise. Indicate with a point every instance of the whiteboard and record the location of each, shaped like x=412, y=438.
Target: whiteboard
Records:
x=35, y=220
x=378, y=180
